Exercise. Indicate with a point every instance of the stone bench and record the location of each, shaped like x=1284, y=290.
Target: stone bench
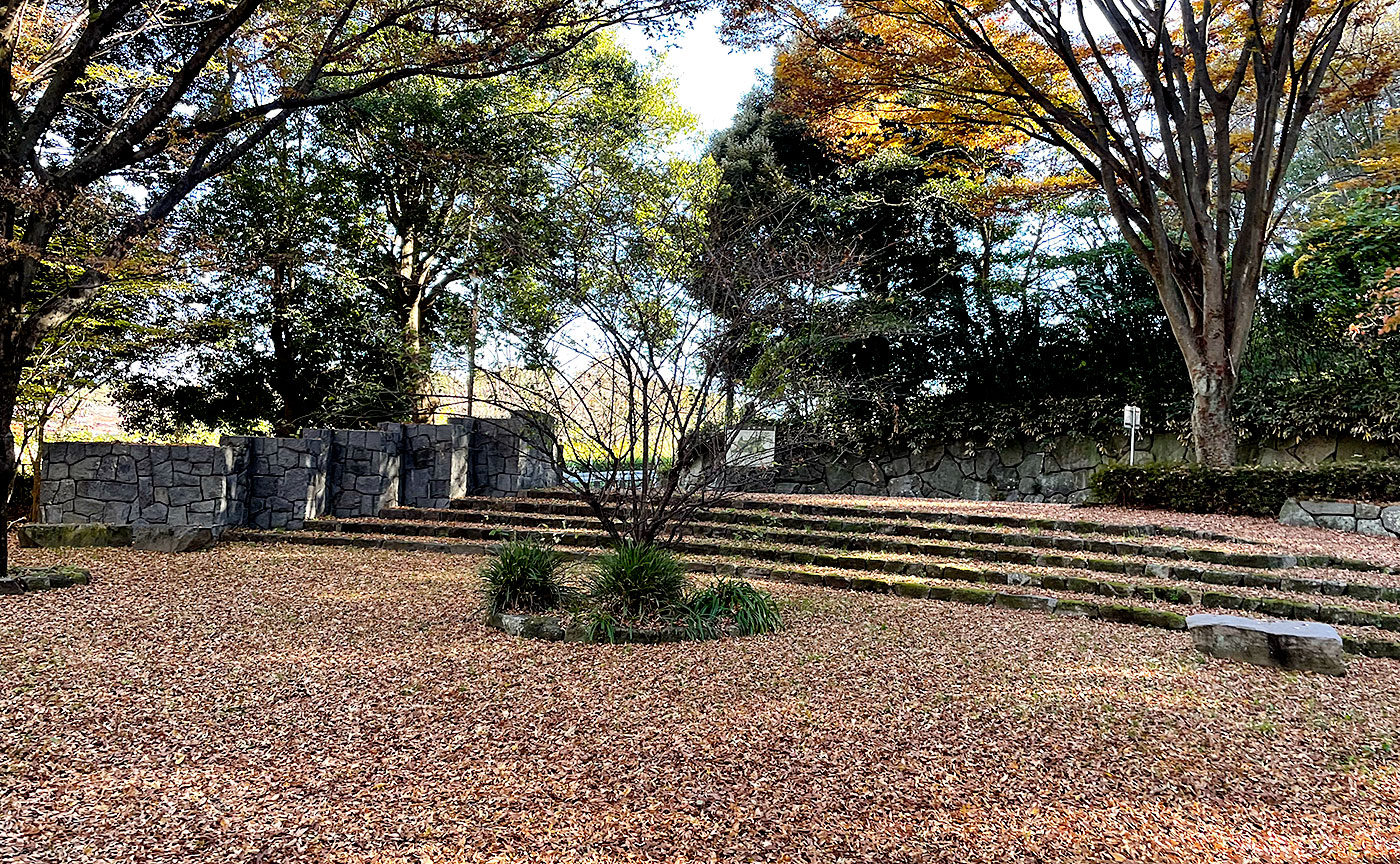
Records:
x=1303, y=645
x=1357, y=517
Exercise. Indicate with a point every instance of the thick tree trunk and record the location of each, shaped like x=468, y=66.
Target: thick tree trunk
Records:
x=421, y=381
x=1212, y=415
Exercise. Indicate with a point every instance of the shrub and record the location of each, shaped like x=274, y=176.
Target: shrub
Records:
x=635, y=579
x=526, y=576
x=1246, y=490
x=753, y=611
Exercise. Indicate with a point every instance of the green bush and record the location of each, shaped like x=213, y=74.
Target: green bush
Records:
x=525, y=576
x=753, y=611
x=635, y=579
x=1246, y=490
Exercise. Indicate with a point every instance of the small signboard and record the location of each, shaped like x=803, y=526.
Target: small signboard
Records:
x=1132, y=419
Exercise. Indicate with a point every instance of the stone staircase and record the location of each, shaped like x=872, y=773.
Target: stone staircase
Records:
x=1140, y=574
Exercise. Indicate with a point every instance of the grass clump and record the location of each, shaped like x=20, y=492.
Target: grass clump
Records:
x=636, y=580
x=749, y=610
x=525, y=576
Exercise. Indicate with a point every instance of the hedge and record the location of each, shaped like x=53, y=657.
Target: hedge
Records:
x=1245, y=490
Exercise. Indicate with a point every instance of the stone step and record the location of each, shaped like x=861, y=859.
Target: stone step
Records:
x=1165, y=587
x=808, y=551
x=764, y=513
x=943, y=587
x=870, y=535
x=1360, y=641
x=543, y=497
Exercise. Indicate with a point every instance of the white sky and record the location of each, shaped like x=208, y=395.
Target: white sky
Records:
x=710, y=76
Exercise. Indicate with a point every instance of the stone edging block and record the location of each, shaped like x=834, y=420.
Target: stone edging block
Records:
x=1353, y=517
x=23, y=579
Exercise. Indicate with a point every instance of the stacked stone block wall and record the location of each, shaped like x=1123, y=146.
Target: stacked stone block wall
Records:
x=436, y=464
x=510, y=454
x=282, y=482
x=1056, y=471
x=364, y=472
x=286, y=482
x=140, y=484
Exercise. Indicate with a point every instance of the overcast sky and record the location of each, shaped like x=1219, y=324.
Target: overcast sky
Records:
x=710, y=76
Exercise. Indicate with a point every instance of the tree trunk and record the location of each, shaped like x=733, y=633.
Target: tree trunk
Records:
x=34, y=512
x=9, y=395
x=1212, y=415
x=283, y=364
x=472, y=345
x=419, y=361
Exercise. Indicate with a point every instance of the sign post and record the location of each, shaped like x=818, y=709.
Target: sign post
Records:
x=1132, y=418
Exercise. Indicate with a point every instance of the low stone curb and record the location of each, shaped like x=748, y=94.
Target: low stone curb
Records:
x=148, y=538
x=25, y=579
x=549, y=628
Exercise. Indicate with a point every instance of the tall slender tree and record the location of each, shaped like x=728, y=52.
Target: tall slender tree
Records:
x=1186, y=114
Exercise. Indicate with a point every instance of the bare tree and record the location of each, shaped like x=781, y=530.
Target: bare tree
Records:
x=149, y=100
x=661, y=408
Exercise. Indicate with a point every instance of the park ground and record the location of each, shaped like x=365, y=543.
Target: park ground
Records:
x=288, y=703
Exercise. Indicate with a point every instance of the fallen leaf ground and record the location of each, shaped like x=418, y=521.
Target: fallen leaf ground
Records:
x=283, y=703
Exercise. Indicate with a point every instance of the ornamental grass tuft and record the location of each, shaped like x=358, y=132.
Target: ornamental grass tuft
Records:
x=525, y=576
x=637, y=579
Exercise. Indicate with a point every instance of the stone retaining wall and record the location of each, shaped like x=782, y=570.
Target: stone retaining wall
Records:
x=511, y=454
x=142, y=484
x=286, y=480
x=436, y=464
x=282, y=482
x=1356, y=517
x=365, y=470
x=1055, y=471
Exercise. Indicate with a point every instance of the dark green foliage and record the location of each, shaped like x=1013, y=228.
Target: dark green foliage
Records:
x=1246, y=490
x=1307, y=373
x=861, y=293
x=525, y=576
x=750, y=610
x=21, y=496
x=334, y=364
x=636, y=579
x=949, y=325
x=279, y=328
